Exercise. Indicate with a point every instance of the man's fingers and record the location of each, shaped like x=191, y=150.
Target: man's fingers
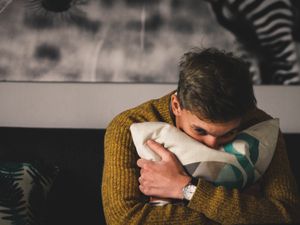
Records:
x=158, y=149
x=144, y=164
x=141, y=162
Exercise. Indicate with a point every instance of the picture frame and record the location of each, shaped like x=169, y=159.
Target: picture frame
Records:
x=141, y=41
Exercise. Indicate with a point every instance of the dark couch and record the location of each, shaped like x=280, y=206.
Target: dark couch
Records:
x=75, y=197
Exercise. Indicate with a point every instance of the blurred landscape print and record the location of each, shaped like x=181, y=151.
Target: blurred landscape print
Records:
x=103, y=41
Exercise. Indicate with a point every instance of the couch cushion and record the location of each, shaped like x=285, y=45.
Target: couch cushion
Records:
x=23, y=191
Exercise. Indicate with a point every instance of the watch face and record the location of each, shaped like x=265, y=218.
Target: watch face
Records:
x=188, y=191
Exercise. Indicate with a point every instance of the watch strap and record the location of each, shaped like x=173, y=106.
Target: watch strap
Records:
x=194, y=181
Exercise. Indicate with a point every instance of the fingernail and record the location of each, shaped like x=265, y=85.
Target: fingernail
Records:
x=149, y=141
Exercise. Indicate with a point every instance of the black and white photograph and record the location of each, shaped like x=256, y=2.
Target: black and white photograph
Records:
x=140, y=41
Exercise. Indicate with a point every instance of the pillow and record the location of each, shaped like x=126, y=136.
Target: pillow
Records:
x=23, y=192
x=237, y=164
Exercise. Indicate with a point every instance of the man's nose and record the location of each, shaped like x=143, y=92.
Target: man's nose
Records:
x=211, y=141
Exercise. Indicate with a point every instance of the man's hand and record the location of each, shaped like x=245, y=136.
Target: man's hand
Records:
x=165, y=178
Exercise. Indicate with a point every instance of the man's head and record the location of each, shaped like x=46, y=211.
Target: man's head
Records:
x=214, y=92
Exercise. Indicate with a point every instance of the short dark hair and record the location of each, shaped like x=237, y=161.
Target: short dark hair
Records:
x=215, y=85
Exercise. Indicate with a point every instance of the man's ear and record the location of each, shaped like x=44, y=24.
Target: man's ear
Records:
x=175, y=105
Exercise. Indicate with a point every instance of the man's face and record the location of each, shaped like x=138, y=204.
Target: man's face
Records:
x=211, y=134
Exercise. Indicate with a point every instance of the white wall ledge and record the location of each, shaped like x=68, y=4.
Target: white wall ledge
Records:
x=93, y=105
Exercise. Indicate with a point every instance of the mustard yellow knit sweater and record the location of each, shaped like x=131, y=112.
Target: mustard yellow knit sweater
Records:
x=124, y=204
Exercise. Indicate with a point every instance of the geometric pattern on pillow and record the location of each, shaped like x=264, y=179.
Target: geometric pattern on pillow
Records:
x=247, y=163
x=228, y=175
x=23, y=191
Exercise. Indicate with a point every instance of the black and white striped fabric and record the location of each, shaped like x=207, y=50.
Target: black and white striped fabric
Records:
x=265, y=30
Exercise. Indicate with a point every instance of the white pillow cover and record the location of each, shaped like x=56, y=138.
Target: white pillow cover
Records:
x=235, y=165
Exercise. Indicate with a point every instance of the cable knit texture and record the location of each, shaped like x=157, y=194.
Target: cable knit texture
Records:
x=124, y=204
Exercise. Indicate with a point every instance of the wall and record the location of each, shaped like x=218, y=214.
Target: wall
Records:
x=93, y=105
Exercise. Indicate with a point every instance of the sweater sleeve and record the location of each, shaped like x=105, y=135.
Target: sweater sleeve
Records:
x=122, y=200
x=279, y=202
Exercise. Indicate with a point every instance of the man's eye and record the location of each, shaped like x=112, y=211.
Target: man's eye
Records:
x=201, y=132
x=230, y=133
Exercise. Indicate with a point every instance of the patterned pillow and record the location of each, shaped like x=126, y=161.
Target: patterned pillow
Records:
x=235, y=165
x=23, y=191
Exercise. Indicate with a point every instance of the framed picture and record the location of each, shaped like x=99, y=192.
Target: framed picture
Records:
x=141, y=41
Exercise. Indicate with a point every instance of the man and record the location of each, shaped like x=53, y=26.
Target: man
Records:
x=214, y=100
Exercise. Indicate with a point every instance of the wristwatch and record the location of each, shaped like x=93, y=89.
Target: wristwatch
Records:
x=189, y=190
